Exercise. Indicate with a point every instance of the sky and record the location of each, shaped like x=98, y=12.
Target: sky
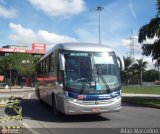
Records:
x=23, y=22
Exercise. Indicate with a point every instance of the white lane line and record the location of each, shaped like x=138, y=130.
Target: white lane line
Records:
x=29, y=128
x=29, y=96
x=25, y=124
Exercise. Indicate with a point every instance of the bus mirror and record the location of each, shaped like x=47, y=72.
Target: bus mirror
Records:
x=120, y=63
x=61, y=62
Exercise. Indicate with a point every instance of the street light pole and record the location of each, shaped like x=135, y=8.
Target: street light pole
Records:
x=10, y=73
x=99, y=9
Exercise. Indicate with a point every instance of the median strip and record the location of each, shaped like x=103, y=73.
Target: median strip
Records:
x=143, y=101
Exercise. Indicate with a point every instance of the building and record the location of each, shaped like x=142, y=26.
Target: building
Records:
x=37, y=50
x=16, y=46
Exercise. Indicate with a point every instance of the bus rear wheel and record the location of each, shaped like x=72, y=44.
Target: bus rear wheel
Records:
x=39, y=98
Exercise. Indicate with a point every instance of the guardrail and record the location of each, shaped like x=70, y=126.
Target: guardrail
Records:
x=12, y=118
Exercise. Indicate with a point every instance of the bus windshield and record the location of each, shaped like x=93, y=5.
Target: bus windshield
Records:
x=91, y=71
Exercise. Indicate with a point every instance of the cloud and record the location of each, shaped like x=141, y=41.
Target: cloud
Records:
x=127, y=42
x=7, y=13
x=132, y=41
x=114, y=21
x=150, y=64
x=59, y=7
x=150, y=41
x=138, y=51
x=27, y=36
x=2, y=1
x=131, y=8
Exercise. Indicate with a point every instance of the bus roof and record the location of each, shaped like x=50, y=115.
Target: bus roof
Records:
x=88, y=47
x=83, y=47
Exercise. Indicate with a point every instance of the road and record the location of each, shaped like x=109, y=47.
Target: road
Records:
x=39, y=118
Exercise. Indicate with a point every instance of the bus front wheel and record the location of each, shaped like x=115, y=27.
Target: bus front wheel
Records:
x=55, y=110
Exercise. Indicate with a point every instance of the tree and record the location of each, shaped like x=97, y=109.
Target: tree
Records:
x=150, y=75
x=150, y=31
x=21, y=63
x=140, y=66
x=128, y=61
x=157, y=64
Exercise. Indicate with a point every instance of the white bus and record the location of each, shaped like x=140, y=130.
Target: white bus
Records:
x=80, y=78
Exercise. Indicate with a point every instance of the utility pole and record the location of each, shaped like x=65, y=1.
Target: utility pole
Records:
x=99, y=9
x=131, y=45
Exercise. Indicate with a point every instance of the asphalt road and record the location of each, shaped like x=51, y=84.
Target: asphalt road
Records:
x=39, y=119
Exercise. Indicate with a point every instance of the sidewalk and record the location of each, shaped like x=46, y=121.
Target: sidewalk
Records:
x=17, y=89
x=131, y=95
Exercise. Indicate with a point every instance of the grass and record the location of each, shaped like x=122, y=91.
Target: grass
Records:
x=148, y=102
x=141, y=89
x=155, y=103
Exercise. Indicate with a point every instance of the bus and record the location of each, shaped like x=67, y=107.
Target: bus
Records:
x=80, y=78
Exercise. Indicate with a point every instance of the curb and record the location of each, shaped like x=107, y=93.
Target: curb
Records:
x=130, y=102
x=130, y=95
x=17, y=90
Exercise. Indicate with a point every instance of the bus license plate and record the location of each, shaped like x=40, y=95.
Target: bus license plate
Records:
x=96, y=109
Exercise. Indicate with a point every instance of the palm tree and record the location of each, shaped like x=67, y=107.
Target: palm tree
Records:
x=140, y=66
x=128, y=61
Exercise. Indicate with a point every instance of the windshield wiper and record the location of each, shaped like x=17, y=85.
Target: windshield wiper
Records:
x=84, y=85
x=104, y=81
x=95, y=71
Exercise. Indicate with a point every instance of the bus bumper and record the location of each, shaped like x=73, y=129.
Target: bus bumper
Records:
x=74, y=106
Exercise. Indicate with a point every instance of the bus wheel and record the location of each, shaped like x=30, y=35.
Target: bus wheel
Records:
x=55, y=110
x=39, y=98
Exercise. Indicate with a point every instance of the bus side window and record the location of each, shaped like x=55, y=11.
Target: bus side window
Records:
x=39, y=69
x=51, y=62
x=46, y=65
x=41, y=66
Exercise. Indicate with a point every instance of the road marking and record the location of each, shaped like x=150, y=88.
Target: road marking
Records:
x=29, y=128
x=26, y=97
x=29, y=96
x=25, y=124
